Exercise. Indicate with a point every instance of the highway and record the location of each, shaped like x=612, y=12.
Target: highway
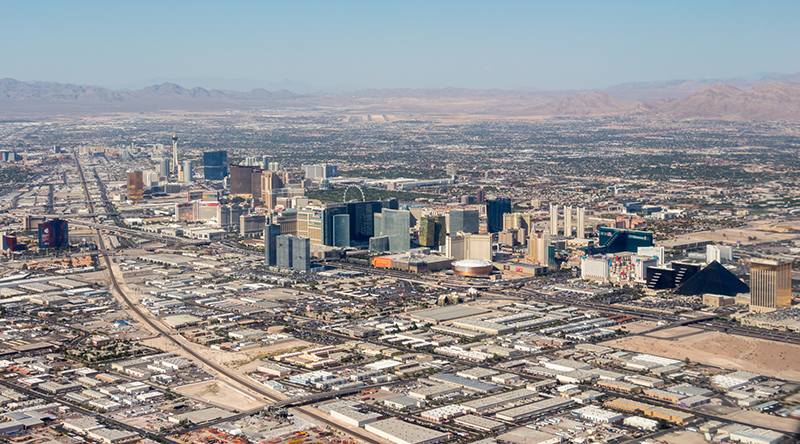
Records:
x=157, y=327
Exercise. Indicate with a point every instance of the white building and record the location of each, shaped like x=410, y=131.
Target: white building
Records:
x=595, y=414
x=640, y=265
x=595, y=269
x=640, y=423
x=553, y=220
x=656, y=252
x=719, y=253
x=567, y=221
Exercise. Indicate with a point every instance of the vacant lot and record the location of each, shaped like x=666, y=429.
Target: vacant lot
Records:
x=769, y=358
x=221, y=395
x=747, y=236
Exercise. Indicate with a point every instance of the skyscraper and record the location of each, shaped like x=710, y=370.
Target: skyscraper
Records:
x=480, y=196
x=187, y=171
x=328, y=223
x=581, y=223
x=432, y=231
x=54, y=233
x=293, y=252
x=271, y=233
x=495, y=209
x=568, y=221
x=320, y=171
x=539, y=249
x=341, y=230
x=395, y=225
x=215, y=165
x=467, y=221
x=135, y=188
x=553, y=220
x=283, y=258
x=245, y=181
x=362, y=220
x=175, y=153
x=301, y=254
x=770, y=284
x=163, y=168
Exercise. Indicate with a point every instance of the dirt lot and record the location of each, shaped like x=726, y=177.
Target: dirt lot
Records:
x=221, y=395
x=769, y=358
x=757, y=419
x=672, y=333
x=733, y=235
x=246, y=360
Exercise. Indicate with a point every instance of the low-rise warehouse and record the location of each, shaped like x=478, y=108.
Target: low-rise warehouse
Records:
x=533, y=409
x=479, y=423
x=352, y=416
x=401, y=432
x=630, y=406
x=497, y=401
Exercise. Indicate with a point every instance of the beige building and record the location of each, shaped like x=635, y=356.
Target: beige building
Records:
x=538, y=248
x=770, y=284
x=469, y=246
x=301, y=223
x=717, y=300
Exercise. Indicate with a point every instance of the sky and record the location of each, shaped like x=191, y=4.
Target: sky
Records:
x=347, y=45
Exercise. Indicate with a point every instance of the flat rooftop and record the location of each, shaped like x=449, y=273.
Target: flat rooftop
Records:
x=448, y=313
x=405, y=432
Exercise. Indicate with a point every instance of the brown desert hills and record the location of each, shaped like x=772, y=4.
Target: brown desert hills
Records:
x=763, y=101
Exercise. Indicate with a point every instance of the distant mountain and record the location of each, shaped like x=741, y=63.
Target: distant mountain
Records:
x=589, y=103
x=220, y=83
x=766, y=101
x=58, y=97
x=680, y=88
x=751, y=100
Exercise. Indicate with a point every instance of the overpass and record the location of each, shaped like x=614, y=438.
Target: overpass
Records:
x=144, y=234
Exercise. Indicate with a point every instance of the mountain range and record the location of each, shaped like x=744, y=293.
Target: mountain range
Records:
x=775, y=97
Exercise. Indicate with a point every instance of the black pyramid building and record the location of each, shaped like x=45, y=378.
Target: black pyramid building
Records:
x=714, y=279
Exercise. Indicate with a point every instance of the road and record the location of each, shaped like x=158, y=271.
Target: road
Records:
x=157, y=327
x=313, y=413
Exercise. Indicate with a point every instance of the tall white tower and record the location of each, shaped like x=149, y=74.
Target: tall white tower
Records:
x=568, y=221
x=553, y=220
x=581, y=223
x=175, y=153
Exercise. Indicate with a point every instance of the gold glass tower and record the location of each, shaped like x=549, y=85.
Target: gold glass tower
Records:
x=770, y=284
x=135, y=185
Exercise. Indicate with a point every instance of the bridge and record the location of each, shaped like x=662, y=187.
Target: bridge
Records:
x=143, y=234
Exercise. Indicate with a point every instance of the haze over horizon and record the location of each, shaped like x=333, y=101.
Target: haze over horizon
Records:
x=333, y=47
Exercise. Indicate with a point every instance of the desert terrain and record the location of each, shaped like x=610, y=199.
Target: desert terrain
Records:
x=769, y=358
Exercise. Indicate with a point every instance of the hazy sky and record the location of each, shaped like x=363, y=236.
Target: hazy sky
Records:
x=397, y=44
